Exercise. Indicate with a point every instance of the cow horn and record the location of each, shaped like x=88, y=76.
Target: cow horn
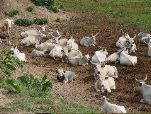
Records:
x=134, y=36
x=136, y=80
x=122, y=32
x=145, y=78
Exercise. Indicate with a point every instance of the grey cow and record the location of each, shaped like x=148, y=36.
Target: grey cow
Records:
x=65, y=76
x=80, y=61
x=88, y=41
x=144, y=37
x=145, y=90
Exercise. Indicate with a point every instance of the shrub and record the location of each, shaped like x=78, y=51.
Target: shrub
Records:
x=40, y=21
x=12, y=13
x=30, y=9
x=8, y=63
x=34, y=86
x=54, y=9
x=23, y=22
x=43, y=2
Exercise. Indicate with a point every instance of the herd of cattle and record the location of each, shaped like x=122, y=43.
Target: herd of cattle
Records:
x=52, y=45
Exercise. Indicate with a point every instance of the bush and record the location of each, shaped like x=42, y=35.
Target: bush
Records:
x=8, y=63
x=40, y=21
x=30, y=9
x=54, y=9
x=23, y=22
x=12, y=13
x=43, y=2
x=34, y=86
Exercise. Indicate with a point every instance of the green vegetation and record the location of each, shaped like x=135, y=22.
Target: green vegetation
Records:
x=12, y=13
x=30, y=9
x=133, y=12
x=50, y=4
x=30, y=84
x=23, y=22
x=48, y=104
x=47, y=3
x=40, y=21
x=31, y=94
x=8, y=63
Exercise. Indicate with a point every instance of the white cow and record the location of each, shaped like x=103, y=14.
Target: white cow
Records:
x=99, y=56
x=45, y=46
x=73, y=54
x=105, y=85
x=17, y=54
x=72, y=45
x=115, y=57
x=126, y=59
x=34, y=32
x=108, y=107
x=37, y=53
x=57, y=51
x=145, y=90
x=125, y=41
x=105, y=71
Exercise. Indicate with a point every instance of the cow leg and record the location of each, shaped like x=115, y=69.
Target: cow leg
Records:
x=65, y=81
x=142, y=101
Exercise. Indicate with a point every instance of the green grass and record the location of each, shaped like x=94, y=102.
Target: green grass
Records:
x=47, y=104
x=12, y=13
x=133, y=12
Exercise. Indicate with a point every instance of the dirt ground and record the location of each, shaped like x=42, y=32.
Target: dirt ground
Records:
x=82, y=89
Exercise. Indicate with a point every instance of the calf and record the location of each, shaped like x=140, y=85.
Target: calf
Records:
x=65, y=76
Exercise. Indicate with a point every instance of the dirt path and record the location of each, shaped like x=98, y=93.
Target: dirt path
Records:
x=82, y=89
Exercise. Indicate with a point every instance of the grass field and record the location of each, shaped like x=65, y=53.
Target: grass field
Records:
x=48, y=104
x=133, y=12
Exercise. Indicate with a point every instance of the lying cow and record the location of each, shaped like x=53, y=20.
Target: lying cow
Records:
x=126, y=59
x=65, y=76
x=105, y=85
x=125, y=41
x=80, y=60
x=145, y=90
x=107, y=107
x=144, y=37
x=102, y=71
x=88, y=41
x=99, y=56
